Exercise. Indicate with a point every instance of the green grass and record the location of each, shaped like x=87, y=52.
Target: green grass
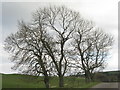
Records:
x=26, y=81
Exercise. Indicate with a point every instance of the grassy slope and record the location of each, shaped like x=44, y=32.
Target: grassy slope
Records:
x=111, y=72
x=25, y=81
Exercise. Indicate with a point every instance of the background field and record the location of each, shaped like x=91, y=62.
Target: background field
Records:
x=25, y=81
x=78, y=81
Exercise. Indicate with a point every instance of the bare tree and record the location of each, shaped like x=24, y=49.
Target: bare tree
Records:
x=61, y=21
x=28, y=51
x=92, y=46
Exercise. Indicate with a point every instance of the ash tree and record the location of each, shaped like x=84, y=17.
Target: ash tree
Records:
x=61, y=22
x=92, y=47
x=28, y=52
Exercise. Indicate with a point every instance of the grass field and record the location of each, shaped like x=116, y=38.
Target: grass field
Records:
x=25, y=81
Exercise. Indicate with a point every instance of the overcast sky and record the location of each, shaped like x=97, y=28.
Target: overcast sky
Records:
x=104, y=13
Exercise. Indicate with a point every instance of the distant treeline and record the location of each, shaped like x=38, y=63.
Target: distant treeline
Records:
x=109, y=76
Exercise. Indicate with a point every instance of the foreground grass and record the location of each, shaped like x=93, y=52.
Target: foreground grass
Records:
x=25, y=81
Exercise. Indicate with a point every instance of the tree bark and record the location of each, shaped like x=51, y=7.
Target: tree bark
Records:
x=61, y=81
x=88, y=76
x=46, y=81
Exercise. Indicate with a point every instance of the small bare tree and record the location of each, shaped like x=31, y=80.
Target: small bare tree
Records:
x=91, y=47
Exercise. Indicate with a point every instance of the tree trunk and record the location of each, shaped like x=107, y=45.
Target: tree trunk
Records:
x=87, y=76
x=46, y=81
x=92, y=76
x=61, y=81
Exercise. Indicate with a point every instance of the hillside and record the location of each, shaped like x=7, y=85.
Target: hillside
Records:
x=26, y=81
x=111, y=72
x=108, y=76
